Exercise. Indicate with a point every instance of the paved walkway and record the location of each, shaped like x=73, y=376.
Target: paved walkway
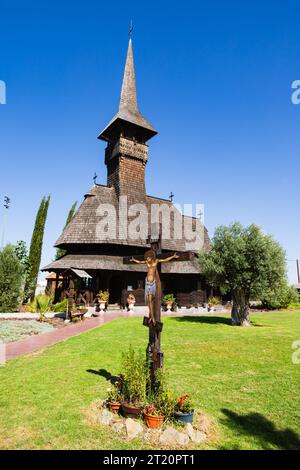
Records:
x=36, y=342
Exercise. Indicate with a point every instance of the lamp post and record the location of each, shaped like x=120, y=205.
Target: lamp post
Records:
x=6, y=205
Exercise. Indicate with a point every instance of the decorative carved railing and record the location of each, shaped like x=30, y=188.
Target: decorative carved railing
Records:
x=126, y=147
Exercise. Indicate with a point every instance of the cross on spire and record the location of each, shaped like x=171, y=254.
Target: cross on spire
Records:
x=171, y=196
x=200, y=214
x=130, y=29
x=6, y=202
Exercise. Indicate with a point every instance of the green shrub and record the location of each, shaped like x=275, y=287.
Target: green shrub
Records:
x=162, y=396
x=281, y=298
x=136, y=377
x=11, y=274
x=214, y=301
x=41, y=304
x=60, y=306
x=294, y=305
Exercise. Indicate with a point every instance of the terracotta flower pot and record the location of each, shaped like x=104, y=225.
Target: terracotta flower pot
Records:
x=153, y=422
x=114, y=406
x=131, y=411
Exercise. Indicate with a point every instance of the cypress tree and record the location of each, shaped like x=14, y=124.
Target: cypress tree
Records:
x=60, y=252
x=35, y=252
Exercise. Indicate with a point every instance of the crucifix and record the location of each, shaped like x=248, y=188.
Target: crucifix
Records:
x=153, y=258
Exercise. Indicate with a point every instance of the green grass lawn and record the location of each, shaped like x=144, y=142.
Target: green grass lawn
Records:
x=243, y=377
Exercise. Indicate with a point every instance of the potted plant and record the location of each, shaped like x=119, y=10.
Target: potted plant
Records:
x=114, y=395
x=103, y=299
x=82, y=309
x=169, y=300
x=153, y=416
x=213, y=302
x=134, y=383
x=184, y=410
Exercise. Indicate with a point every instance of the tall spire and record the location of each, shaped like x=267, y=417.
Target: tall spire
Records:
x=128, y=99
x=128, y=106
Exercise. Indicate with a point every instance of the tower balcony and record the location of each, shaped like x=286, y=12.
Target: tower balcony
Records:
x=127, y=148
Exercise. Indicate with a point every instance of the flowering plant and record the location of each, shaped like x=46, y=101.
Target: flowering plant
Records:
x=119, y=382
x=184, y=405
x=113, y=394
x=152, y=410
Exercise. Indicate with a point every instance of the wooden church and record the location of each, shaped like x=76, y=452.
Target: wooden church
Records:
x=95, y=262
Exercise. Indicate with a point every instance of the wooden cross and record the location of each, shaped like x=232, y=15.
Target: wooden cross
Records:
x=154, y=355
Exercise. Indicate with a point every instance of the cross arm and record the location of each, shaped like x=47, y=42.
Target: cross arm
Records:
x=162, y=257
x=183, y=256
x=139, y=259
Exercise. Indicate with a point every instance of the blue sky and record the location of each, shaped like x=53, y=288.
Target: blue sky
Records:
x=214, y=78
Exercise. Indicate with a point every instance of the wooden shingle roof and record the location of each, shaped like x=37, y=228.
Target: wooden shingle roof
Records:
x=84, y=227
x=115, y=263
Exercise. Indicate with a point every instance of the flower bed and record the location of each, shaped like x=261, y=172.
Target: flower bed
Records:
x=170, y=435
x=14, y=330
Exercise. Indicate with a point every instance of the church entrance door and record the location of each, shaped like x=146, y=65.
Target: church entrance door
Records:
x=115, y=289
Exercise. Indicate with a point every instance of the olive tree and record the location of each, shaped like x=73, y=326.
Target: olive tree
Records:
x=246, y=263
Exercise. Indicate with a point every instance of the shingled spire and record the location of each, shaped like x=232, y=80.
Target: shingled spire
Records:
x=128, y=99
x=128, y=120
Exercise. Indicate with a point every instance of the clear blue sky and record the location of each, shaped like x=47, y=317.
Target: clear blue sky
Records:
x=214, y=78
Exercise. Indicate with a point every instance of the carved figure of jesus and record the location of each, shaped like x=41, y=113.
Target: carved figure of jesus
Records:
x=152, y=261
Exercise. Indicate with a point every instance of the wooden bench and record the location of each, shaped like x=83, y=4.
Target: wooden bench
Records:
x=78, y=314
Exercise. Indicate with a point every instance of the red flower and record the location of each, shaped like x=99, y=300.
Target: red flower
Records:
x=181, y=400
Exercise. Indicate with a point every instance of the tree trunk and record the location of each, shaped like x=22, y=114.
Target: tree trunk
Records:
x=235, y=320
x=244, y=315
x=240, y=309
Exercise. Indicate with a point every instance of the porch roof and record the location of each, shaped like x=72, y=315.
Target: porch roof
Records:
x=115, y=263
x=81, y=273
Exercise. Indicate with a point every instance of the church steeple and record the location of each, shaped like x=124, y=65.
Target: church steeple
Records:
x=128, y=121
x=128, y=99
x=126, y=153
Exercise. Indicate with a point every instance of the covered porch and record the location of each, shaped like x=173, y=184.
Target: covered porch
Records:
x=93, y=273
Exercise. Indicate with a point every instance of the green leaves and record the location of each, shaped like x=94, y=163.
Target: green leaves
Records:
x=11, y=274
x=35, y=252
x=136, y=373
x=244, y=259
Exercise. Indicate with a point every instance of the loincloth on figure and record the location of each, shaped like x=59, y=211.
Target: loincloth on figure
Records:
x=150, y=288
